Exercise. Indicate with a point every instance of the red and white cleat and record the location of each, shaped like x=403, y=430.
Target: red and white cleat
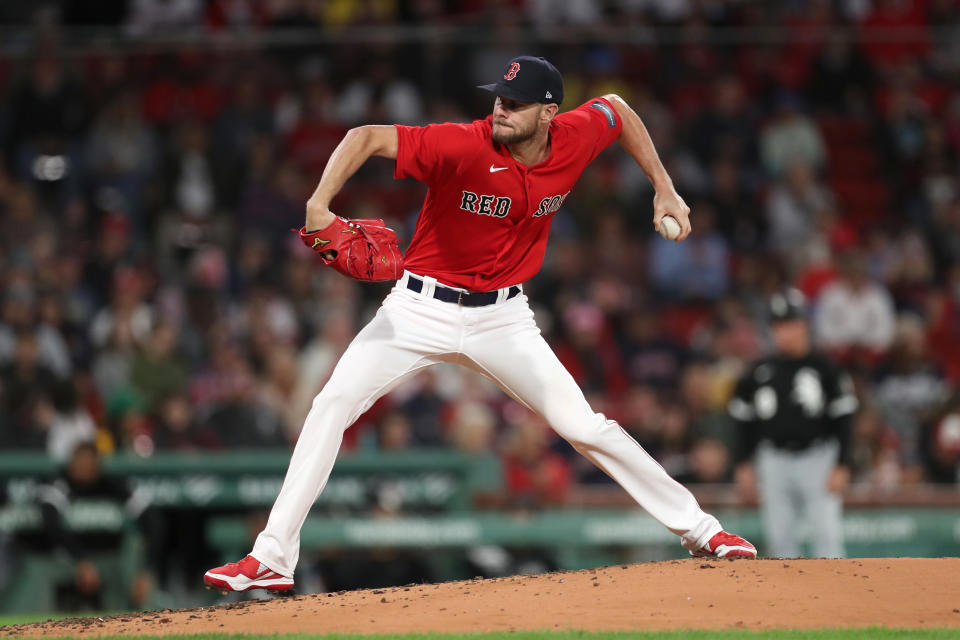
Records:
x=726, y=545
x=249, y=573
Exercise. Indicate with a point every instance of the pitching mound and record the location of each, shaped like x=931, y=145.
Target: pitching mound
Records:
x=679, y=594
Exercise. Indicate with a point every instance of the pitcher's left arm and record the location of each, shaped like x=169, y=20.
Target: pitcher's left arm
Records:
x=635, y=139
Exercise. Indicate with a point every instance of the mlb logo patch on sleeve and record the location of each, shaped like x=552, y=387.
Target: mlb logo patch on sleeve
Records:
x=607, y=111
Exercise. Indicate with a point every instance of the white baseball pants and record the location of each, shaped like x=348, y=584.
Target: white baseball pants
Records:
x=412, y=331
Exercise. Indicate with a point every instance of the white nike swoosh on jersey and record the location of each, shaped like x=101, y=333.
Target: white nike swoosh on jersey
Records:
x=494, y=169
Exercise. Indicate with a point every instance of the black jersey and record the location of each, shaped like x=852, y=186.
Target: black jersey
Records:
x=793, y=403
x=87, y=518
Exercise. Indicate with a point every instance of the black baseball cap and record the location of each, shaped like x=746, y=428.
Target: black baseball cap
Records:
x=789, y=305
x=528, y=79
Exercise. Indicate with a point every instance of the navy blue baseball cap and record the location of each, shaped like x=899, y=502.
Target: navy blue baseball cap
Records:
x=528, y=79
x=788, y=305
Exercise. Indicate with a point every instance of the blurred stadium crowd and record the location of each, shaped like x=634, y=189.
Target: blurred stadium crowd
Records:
x=154, y=299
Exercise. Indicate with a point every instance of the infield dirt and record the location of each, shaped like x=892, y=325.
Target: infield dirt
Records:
x=678, y=594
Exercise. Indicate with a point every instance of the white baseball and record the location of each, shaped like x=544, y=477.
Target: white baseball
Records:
x=669, y=227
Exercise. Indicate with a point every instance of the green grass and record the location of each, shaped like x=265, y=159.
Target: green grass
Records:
x=25, y=618
x=874, y=633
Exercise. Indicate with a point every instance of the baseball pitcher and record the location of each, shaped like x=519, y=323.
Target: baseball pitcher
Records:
x=494, y=185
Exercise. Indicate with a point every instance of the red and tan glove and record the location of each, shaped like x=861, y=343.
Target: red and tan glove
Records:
x=363, y=249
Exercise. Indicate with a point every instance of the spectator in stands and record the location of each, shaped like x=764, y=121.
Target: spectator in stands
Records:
x=316, y=132
x=114, y=249
x=227, y=374
x=52, y=333
x=942, y=443
x=908, y=271
x=874, y=450
x=246, y=120
x=17, y=313
x=708, y=462
x=157, y=371
x=181, y=238
x=159, y=16
x=886, y=14
x=616, y=252
x=24, y=381
x=255, y=194
x=49, y=112
x=424, y=407
x=791, y=137
x=393, y=432
x=227, y=396
x=642, y=415
x=937, y=186
x=943, y=313
x=841, y=78
x=702, y=395
x=697, y=270
x=76, y=300
x=205, y=301
x=739, y=215
x=901, y=134
x=121, y=152
x=944, y=15
x=65, y=421
x=589, y=352
x=271, y=199
x=128, y=423
x=545, y=15
x=175, y=426
x=472, y=428
x=726, y=127
x=793, y=207
x=193, y=171
x=316, y=359
x=952, y=121
x=381, y=94
x=653, y=355
x=266, y=321
x=675, y=439
x=910, y=389
x=113, y=361
x=535, y=476
x=279, y=389
x=22, y=219
x=6, y=558
x=813, y=263
x=127, y=306
x=854, y=316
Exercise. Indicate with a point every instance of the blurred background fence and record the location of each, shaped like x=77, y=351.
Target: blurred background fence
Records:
x=156, y=152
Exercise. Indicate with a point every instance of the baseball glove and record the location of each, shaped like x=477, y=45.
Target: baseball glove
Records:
x=363, y=249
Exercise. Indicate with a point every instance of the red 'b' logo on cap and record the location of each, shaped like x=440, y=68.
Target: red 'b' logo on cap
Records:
x=512, y=73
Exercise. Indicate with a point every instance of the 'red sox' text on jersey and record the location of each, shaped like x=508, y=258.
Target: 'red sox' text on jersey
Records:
x=486, y=218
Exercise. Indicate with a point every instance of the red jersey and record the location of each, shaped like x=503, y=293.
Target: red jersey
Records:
x=486, y=218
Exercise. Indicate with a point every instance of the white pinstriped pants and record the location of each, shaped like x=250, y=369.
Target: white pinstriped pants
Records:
x=412, y=331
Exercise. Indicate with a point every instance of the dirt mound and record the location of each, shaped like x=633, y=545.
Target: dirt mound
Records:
x=678, y=594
